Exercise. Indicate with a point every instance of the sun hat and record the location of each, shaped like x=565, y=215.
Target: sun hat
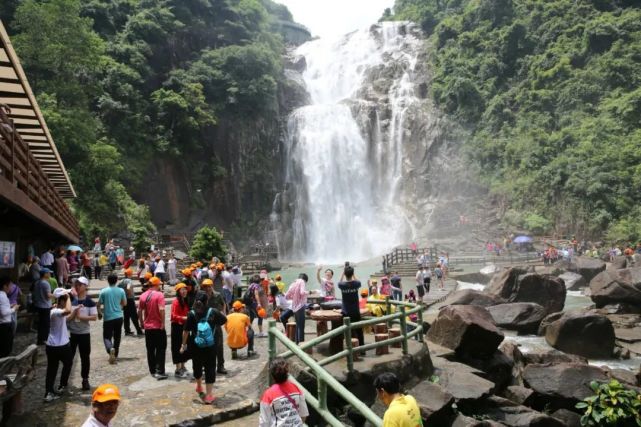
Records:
x=155, y=281
x=105, y=393
x=364, y=292
x=179, y=286
x=148, y=275
x=237, y=305
x=128, y=272
x=207, y=282
x=186, y=272
x=83, y=280
x=58, y=292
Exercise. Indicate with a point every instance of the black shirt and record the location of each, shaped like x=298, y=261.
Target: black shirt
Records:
x=215, y=319
x=350, y=296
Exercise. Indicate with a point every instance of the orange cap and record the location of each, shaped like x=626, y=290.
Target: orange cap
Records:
x=155, y=281
x=105, y=393
x=179, y=286
x=193, y=266
x=207, y=282
x=128, y=272
x=237, y=305
x=148, y=275
x=262, y=313
x=186, y=272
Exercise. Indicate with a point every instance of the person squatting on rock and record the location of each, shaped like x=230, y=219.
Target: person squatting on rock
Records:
x=239, y=331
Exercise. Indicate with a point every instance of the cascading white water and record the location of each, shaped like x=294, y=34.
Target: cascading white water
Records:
x=346, y=185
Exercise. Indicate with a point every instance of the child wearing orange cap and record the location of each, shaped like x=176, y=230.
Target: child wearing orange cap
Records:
x=239, y=331
x=104, y=406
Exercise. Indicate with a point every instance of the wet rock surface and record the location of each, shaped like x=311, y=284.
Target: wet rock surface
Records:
x=613, y=287
x=524, y=317
x=472, y=297
x=585, y=334
x=517, y=285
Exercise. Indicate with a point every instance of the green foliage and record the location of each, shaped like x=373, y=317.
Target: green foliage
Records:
x=550, y=92
x=611, y=405
x=208, y=243
x=121, y=82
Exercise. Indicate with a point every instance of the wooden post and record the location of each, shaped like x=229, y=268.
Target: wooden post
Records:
x=348, y=342
x=380, y=328
x=355, y=344
x=393, y=333
x=384, y=349
x=321, y=327
x=291, y=330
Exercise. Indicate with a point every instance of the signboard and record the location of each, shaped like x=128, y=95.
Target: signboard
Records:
x=7, y=254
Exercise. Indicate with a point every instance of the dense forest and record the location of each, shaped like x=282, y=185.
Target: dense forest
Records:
x=551, y=93
x=123, y=81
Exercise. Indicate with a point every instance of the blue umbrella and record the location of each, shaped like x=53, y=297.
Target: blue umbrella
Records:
x=523, y=239
x=74, y=248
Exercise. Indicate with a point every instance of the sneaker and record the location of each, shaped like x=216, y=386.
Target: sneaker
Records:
x=160, y=377
x=50, y=397
x=112, y=356
x=61, y=390
x=222, y=371
x=209, y=399
x=184, y=373
x=234, y=355
x=262, y=335
x=201, y=392
x=85, y=385
x=178, y=373
x=129, y=334
x=251, y=353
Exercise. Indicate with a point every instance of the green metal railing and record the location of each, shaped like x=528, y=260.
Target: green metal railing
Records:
x=323, y=378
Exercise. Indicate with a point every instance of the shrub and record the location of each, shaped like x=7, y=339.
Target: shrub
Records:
x=611, y=405
x=208, y=242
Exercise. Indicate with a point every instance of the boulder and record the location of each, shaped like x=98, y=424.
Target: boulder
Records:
x=472, y=297
x=511, y=350
x=622, y=286
x=466, y=329
x=461, y=381
x=561, y=386
x=434, y=402
x=588, y=267
x=552, y=356
x=490, y=270
x=547, y=291
x=518, y=394
x=587, y=334
x=524, y=317
x=497, y=368
x=567, y=417
x=619, y=262
x=508, y=413
x=620, y=308
x=547, y=320
x=463, y=421
x=573, y=281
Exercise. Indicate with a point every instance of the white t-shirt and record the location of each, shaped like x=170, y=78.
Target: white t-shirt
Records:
x=282, y=302
x=171, y=265
x=93, y=422
x=228, y=281
x=58, y=334
x=5, y=308
x=160, y=267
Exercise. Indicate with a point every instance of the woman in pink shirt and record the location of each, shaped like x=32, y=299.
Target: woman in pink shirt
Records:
x=298, y=295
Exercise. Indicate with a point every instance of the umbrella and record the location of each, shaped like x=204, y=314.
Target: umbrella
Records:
x=74, y=248
x=523, y=239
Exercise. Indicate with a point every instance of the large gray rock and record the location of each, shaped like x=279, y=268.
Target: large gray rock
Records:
x=573, y=281
x=567, y=417
x=589, y=335
x=461, y=381
x=472, y=297
x=523, y=317
x=508, y=413
x=434, y=402
x=467, y=329
x=619, y=262
x=463, y=421
x=547, y=291
x=562, y=385
x=614, y=287
x=585, y=266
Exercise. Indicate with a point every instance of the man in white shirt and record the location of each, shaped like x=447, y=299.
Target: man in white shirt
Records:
x=104, y=405
x=46, y=260
x=228, y=284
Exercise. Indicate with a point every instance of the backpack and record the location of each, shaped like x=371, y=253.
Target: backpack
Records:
x=248, y=296
x=204, y=333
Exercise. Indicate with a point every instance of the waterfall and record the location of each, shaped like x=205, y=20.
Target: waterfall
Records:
x=344, y=151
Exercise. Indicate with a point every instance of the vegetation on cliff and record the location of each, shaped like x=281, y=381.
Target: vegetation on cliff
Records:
x=123, y=81
x=551, y=91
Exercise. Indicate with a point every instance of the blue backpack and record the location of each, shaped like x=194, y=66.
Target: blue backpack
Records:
x=204, y=333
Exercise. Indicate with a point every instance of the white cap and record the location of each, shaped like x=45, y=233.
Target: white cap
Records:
x=60, y=292
x=83, y=280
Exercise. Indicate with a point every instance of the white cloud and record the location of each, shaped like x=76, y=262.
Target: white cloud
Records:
x=329, y=18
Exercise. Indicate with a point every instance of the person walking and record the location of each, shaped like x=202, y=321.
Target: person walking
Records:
x=130, y=313
x=58, y=349
x=111, y=301
x=79, y=328
x=97, y=268
x=239, y=331
x=104, y=406
x=171, y=269
x=282, y=404
x=216, y=301
x=402, y=410
x=178, y=317
x=199, y=331
x=420, y=283
x=85, y=260
x=438, y=272
x=62, y=269
x=7, y=311
x=151, y=310
x=350, y=305
x=298, y=294
x=228, y=284
x=41, y=299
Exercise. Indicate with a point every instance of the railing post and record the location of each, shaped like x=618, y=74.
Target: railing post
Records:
x=403, y=328
x=271, y=323
x=420, y=325
x=321, y=392
x=388, y=310
x=348, y=343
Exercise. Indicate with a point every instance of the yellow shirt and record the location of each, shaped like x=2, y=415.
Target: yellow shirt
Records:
x=403, y=412
x=102, y=260
x=236, y=328
x=281, y=287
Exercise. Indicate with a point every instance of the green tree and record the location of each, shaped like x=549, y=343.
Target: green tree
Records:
x=208, y=243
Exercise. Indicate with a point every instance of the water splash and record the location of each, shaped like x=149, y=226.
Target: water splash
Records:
x=345, y=182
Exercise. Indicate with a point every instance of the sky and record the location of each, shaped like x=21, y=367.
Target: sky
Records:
x=330, y=18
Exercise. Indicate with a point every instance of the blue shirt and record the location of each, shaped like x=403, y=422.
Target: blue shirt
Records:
x=111, y=297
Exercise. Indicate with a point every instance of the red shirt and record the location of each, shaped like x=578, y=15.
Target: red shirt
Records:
x=150, y=303
x=178, y=311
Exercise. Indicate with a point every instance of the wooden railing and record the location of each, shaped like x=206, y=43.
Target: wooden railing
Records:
x=23, y=170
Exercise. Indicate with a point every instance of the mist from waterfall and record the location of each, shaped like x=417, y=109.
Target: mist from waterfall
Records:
x=345, y=184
